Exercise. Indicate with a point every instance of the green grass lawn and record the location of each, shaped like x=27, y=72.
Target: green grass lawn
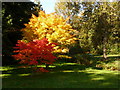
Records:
x=66, y=75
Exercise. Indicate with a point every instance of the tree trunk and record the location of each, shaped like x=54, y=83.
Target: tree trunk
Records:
x=104, y=48
x=47, y=66
x=104, y=52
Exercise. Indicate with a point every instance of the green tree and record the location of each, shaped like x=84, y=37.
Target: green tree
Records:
x=105, y=26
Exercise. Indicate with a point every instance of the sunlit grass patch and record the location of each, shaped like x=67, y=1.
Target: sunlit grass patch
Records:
x=73, y=71
x=98, y=78
x=24, y=74
x=116, y=55
x=5, y=68
x=60, y=64
x=101, y=71
x=5, y=75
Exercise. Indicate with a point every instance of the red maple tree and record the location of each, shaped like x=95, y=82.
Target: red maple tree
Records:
x=35, y=52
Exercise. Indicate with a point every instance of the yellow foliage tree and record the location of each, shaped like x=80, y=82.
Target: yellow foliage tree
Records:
x=50, y=26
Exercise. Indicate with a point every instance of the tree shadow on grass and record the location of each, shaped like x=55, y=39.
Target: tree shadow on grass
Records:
x=64, y=76
x=70, y=67
x=14, y=71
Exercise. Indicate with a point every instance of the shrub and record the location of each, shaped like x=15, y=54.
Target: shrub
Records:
x=85, y=59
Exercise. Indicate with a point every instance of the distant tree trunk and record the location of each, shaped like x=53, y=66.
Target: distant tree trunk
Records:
x=47, y=66
x=104, y=47
x=104, y=52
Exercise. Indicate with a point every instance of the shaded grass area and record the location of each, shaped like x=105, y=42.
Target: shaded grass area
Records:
x=65, y=75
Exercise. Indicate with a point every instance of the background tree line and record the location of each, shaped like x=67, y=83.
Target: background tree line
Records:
x=97, y=23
